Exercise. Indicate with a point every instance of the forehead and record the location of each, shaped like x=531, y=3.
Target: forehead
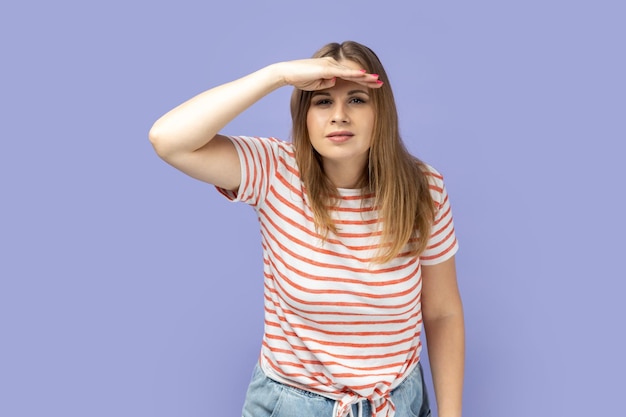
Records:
x=342, y=88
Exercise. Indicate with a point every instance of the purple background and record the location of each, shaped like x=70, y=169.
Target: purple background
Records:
x=129, y=289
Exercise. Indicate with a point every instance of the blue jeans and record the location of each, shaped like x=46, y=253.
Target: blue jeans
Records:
x=268, y=398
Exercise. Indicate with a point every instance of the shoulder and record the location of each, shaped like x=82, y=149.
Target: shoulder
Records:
x=435, y=178
x=432, y=175
x=272, y=144
x=266, y=154
x=435, y=182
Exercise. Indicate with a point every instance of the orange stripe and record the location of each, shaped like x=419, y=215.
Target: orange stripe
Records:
x=329, y=313
x=303, y=274
x=247, y=170
x=250, y=169
x=310, y=261
x=340, y=323
x=333, y=363
x=261, y=174
x=345, y=333
x=313, y=248
x=398, y=342
x=309, y=217
x=442, y=228
x=440, y=254
x=339, y=303
x=281, y=261
x=415, y=327
x=431, y=173
x=289, y=167
x=355, y=345
x=442, y=241
x=443, y=215
x=337, y=356
x=434, y=187
x=310, y=385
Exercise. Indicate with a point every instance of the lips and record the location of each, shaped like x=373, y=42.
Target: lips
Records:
x=340, y=136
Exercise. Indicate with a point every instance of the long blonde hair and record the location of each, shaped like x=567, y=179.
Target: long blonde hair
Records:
x=395, y=177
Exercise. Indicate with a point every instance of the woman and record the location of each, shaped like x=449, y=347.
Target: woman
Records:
x=357, y=235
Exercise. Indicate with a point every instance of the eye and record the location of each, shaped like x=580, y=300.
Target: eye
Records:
x=357, y=100
x=322, y=102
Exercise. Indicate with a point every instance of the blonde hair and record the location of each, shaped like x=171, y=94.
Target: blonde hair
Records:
x=397, y=179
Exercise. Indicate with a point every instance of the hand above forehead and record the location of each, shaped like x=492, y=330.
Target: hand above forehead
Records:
x=320, y=73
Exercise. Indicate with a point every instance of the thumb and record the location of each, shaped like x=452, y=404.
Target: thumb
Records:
x=327, y=83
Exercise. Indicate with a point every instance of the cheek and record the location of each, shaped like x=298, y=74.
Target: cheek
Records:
x=370, y=124
x=313, y=122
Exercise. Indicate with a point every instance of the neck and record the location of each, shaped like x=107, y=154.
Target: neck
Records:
x=344, y=175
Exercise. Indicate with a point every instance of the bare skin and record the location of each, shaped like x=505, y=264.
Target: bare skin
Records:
x=340, y=122
x=187, y=137
x=442, y=312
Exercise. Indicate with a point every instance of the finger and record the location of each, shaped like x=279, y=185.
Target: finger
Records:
x=328, y=83
x=355, y=74
x=369, y=83
x=365, y=79
x=319, y=84
x=361, y=76
x=346, y=72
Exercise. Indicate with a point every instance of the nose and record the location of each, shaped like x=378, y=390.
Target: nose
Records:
x=339, y=114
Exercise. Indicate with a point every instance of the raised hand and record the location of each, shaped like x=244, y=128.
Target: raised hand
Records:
x=320, y=73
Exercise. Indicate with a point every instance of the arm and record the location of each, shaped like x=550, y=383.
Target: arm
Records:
x=442, y=312
x=187, y=136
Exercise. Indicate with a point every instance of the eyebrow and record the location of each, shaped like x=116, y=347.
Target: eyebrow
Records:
x=322, y=93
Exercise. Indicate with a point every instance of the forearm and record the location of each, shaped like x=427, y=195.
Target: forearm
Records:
x=445, y=337
x=195, y=122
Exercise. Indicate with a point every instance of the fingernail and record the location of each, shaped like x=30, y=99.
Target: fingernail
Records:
x=374, y=75
x=363, y=71
x=378, y=82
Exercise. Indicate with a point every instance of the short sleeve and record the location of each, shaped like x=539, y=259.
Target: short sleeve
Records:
x=442, y=244
x=257, y=158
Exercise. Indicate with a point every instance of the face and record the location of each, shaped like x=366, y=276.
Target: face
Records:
x=340, y=122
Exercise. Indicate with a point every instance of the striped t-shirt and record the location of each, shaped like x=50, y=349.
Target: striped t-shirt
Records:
x=335, y=323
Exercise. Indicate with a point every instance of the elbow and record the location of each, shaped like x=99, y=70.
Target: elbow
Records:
x=159, y=141
x=451, y=309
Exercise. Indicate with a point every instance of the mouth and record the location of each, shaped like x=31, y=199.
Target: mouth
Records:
x=340, y=136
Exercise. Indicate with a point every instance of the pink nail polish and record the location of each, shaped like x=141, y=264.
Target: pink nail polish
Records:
x=363, y=71
x=378, y=82
x=374, y=75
